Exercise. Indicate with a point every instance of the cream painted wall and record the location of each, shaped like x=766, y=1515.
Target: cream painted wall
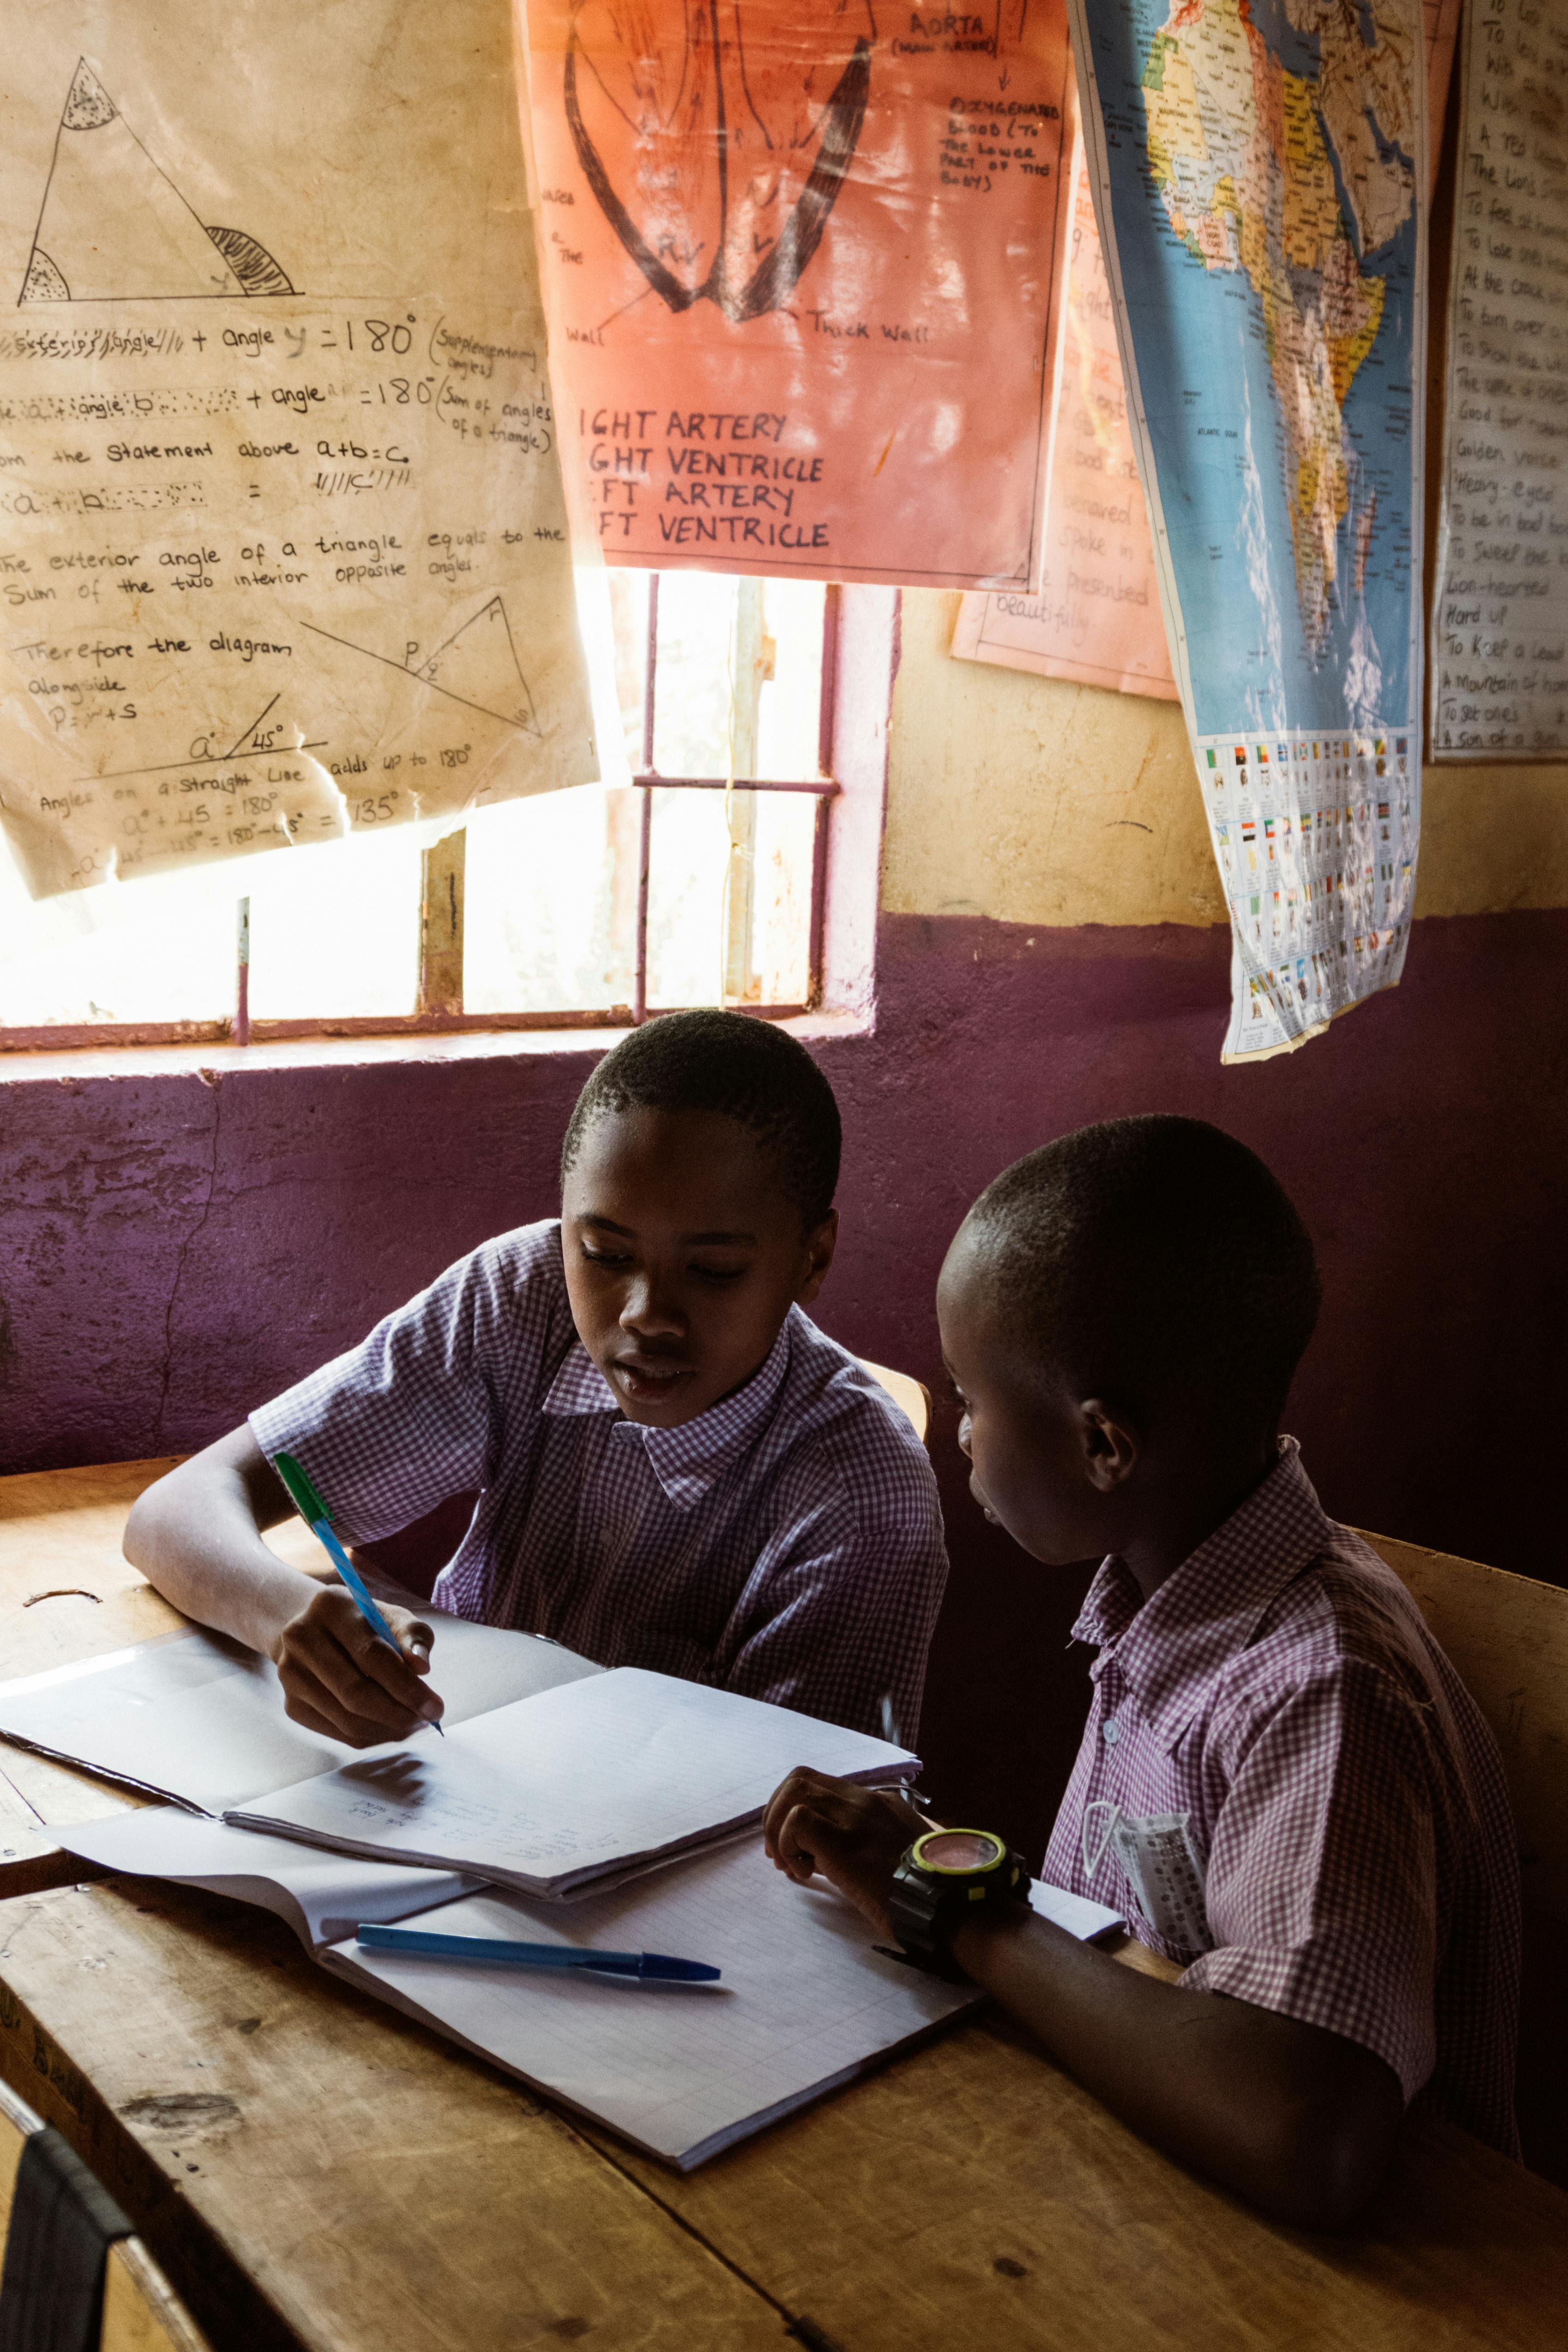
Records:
x=1033, y=801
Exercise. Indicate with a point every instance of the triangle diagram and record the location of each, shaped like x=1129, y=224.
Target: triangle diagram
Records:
x=479, y=663
x=112, y=226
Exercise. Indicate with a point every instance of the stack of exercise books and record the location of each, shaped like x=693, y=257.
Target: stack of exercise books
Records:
x=567, y=1806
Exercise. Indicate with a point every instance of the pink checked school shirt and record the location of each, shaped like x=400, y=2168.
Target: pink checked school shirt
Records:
x=787, y=1543
x=1287, y=1787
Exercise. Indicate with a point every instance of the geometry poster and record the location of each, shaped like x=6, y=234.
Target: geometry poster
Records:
x=1259, y=175
x=283, y=548
x=800, y=263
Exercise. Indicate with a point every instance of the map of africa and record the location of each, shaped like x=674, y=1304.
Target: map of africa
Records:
x=1242, y=166
x=1258, y=166
x=1261, y=158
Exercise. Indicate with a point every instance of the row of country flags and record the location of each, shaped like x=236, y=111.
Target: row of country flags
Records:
x=1313, y=979
x=1324, y=892
x=1308, y=820
x=1283, y=901
x=1341, y=748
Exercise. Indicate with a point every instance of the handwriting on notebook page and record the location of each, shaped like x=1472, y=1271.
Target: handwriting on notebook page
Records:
x=614, y=1767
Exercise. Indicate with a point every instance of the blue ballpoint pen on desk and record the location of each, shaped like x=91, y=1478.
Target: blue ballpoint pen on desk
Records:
x=646, y=1968
x=314, y=1511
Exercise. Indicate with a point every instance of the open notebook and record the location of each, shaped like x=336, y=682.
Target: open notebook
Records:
x=321, y=1897
x=805, y=2000
x=553, y=1773
x=597, y=1778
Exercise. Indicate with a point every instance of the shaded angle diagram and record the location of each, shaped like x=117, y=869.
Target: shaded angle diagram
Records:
x=113, y=227
x=477, y=666
x=267, y=735
x=716, y=143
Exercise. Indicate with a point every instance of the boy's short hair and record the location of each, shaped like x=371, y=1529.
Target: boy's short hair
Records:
x=738, y=1065
x=1145, y=1257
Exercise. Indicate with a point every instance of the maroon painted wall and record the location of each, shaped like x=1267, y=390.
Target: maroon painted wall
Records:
x=172, y=1251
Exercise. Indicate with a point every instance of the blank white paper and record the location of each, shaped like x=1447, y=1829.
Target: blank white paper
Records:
x=1076, y=1913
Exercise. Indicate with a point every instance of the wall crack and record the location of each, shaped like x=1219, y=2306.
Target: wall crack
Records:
x=185, y=1250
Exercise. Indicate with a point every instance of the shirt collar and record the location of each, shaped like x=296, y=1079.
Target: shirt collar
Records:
x=1169, y=1648
x=580, y=1386
x=688, y=1460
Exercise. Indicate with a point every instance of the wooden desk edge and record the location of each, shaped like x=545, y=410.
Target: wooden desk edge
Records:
x=222, y=2298
x=45, y=1871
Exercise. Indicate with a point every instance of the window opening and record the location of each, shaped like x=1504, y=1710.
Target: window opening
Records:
x=693, y=875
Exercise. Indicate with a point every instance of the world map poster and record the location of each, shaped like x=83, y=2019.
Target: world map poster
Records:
x=1258, y=170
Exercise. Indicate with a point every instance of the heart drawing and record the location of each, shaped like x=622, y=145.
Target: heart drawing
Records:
x=716, y=136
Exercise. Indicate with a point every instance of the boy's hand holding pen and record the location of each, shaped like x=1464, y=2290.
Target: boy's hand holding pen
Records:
x=350, y=1668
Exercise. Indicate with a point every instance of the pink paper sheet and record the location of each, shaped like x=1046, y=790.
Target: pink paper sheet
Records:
x=799, y=263
x=1095, y=617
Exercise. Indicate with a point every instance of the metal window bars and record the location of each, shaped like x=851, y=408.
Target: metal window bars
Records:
x=648, y=779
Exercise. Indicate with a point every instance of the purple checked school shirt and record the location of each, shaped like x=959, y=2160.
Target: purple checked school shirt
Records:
x=787, y=1543
x=1288, y=1788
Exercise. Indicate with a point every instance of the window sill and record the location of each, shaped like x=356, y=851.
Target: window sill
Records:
x=213, y=1060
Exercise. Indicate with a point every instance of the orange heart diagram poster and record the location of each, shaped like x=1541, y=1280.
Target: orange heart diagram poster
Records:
x=800, y=261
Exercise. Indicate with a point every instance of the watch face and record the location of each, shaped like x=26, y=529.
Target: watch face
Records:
x=959, y=1851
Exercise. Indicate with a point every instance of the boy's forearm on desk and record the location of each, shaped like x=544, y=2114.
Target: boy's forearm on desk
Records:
x=196, y=1535
x=1296, y=2119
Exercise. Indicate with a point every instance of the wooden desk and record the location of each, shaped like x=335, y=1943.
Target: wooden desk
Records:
x=66, y=1591
x=313, y=2170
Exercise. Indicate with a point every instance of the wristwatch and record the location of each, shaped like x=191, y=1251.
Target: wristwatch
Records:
x=945, y=1877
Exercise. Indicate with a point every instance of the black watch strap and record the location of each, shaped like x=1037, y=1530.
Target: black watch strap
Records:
x=934, y=1893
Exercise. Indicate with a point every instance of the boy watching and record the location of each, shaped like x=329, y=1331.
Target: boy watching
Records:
x=1283, y=1783
x=678, y=1469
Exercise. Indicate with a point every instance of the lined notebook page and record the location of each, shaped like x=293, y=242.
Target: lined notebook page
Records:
x=806, y=2001
x=198, y=1718
x=578, y=1780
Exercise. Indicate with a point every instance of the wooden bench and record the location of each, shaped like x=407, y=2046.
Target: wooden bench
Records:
x=1508, y=1635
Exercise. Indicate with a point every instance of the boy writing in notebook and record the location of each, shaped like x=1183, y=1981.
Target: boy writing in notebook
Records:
x=1283, y=1783
x=677, y=1469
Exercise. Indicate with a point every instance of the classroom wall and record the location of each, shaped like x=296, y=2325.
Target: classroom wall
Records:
x=175, y=1248
x=1033, y=801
